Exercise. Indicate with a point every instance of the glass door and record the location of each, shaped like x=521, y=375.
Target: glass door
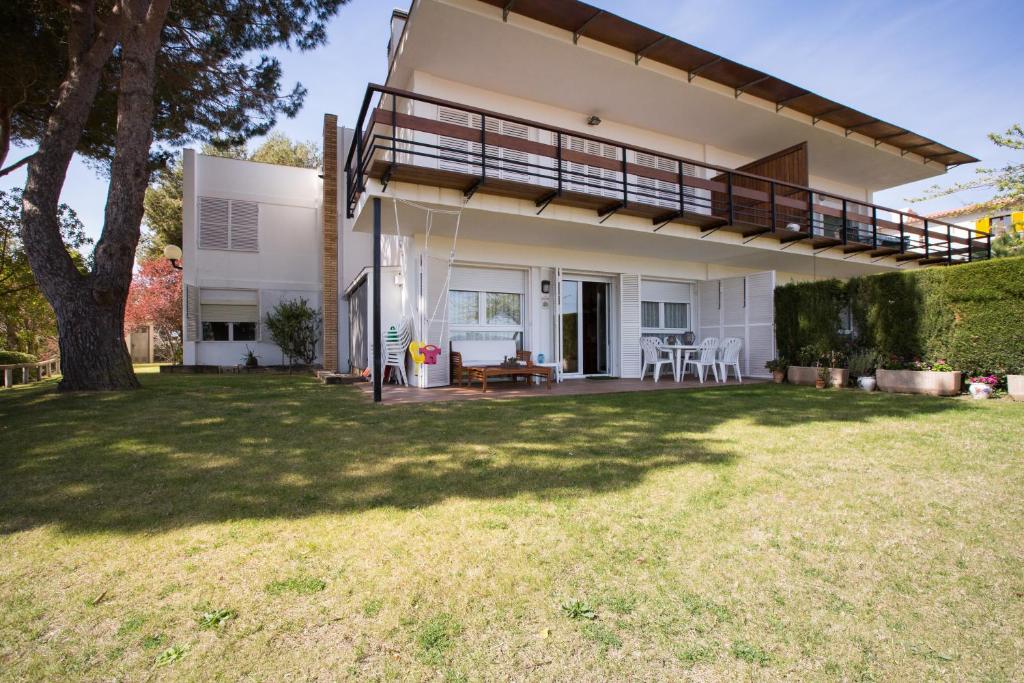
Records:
x=584, y=327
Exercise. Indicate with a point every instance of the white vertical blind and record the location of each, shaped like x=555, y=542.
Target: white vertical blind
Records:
x=747, y=311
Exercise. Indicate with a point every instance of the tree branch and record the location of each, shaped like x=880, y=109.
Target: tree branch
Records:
x=16, y=165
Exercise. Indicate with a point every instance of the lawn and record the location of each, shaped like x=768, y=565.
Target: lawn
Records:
x=262, y=528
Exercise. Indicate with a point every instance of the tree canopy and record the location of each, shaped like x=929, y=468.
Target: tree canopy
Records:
x=123, y=82
x=26, y=319
x=1006, y=183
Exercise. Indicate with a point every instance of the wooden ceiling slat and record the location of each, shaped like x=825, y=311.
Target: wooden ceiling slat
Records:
x=621, y=33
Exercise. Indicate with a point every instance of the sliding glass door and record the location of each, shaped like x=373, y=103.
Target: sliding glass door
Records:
x=584, y=327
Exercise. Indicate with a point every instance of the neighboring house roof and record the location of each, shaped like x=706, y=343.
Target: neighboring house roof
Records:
x=582, y=19
x=1001, y=204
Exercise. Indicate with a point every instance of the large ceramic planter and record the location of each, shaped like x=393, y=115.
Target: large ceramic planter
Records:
x=808, y=376
x=802, y=374
x=919, y=382
x=1015, y=387
x=979, y=390
x=838, y=377
x=866, y=383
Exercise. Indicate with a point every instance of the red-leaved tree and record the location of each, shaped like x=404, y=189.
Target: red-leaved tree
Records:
x=154, y=298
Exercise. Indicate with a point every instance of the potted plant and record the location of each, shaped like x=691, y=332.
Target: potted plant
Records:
x=778, y=366
x=981, y=387
x=863, y=364
x=250, y=359
x=808, y=361
x=838, y=376
x=824, y=373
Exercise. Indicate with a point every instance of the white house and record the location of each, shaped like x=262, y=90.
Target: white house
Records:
x=553, y=174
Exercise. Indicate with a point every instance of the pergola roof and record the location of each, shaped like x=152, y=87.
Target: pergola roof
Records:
x=582, y=19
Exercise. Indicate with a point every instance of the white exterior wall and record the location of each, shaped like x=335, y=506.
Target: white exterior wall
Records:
x=288, y=262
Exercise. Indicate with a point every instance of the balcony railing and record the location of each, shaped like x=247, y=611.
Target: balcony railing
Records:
x=414, y=138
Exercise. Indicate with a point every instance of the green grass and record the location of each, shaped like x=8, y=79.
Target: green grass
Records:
x=267, y=527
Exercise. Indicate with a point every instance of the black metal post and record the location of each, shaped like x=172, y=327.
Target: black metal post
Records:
x=483, y=149
x=949, y=244
x=682, y=194
x=394, y=130
x=989, y=245
x=728, y=189
x=874, y=227
x=360, y=187
x=378, y=351
x=903, y=236
x=771, y=192
x=558, y=155
x=625, y=179
x=844, y=222
x=926, y=244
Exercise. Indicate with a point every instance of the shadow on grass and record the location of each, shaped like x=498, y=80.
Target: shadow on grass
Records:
x=188, y=450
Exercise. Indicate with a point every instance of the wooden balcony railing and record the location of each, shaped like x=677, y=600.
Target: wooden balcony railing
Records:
x=414, y=138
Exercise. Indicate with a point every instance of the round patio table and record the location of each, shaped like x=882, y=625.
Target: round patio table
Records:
x=678, y=371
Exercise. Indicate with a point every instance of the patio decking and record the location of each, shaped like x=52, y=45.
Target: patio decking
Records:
x=395, y=394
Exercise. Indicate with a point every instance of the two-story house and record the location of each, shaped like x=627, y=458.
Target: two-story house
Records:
x=550, y=173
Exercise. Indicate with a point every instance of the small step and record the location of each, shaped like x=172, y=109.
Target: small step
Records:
x=328, y=377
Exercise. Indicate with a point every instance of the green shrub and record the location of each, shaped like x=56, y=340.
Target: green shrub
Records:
x=971, y=316
x=295, y=327
x=16, y=358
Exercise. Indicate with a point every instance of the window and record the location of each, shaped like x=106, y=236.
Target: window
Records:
x=485, y=315
x=664, y=316
x=229, y=314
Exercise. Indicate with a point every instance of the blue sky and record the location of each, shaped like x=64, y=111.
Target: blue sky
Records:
x=948, y=69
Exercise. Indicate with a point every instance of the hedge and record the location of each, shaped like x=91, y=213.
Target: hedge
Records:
x=16, y=358
x=970, y=315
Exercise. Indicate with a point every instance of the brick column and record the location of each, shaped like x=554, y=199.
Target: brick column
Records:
x=330, y=251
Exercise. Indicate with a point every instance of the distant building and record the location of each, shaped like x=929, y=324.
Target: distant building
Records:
x=994, y=218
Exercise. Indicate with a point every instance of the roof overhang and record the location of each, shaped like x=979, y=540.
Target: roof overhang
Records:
x=569, y=54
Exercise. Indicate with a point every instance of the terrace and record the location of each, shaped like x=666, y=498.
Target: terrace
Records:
x=407, y=137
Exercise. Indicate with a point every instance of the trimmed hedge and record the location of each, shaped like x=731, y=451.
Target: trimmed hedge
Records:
x=970, y=315
x=16, y=358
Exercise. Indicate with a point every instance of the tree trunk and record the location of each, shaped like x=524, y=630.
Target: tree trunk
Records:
x=93, y=355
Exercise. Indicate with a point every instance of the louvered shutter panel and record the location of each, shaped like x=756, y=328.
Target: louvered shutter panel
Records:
x=734, y=315
x=515, y=163
x=629, y=320
x=191, y=313
x=245, y=219
x=709, y=295
x=574, y=173
x=760, y=342
x=459, y=155
x=434, y=272
x=214, y=223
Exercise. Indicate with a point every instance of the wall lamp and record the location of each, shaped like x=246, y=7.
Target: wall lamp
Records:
x=172, y=252
x=545, y=286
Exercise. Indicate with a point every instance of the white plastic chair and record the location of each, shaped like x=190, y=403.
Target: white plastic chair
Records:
x=705, y=359
x=729, y=357
x=654, y=357
x=394, y=352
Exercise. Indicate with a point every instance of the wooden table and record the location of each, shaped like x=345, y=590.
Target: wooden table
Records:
x=678, y=349
x=482, y=373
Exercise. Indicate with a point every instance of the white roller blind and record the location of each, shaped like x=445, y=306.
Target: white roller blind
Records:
x=471, y=279
x=670, y=292
x=230, y=313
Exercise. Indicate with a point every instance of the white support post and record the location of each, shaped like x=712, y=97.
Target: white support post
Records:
x=8, y=378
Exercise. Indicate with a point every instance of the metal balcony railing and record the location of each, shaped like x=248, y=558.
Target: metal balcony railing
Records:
x=406, y=137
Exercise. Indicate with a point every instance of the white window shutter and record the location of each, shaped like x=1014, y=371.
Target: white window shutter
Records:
x=760, y=343
x=709, y=297
x=191, y=313
x=434, y=320
x=214, y=222
x=629, y=321
x=245, y=219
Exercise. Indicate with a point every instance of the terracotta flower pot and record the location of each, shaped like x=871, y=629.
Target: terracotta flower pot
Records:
x=778, y=376
x=820, y=383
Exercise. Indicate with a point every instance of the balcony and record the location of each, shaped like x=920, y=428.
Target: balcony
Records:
x=411, y=138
